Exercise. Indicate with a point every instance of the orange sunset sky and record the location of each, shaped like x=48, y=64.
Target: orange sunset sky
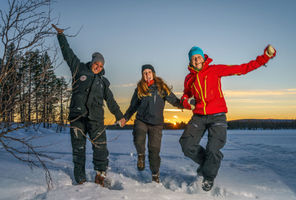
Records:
x=242, y=104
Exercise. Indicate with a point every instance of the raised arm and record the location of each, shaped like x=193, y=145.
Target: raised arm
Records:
x=68, y=54
x=229, y=70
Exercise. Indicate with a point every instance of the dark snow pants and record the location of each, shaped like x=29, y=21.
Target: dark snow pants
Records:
x=154, y=133
x=95, y=131
x=208, y=158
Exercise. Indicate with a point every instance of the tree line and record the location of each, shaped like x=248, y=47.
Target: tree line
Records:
x=254, y=124
x=30, y=92
x=245, y=124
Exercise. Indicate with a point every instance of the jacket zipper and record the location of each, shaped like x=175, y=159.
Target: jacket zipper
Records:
x=206, y=87
x=202, y=96
x=196, y=90
x=219, y=87
x=89, y=91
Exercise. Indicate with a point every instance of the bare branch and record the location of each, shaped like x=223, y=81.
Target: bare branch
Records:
x=24, y=26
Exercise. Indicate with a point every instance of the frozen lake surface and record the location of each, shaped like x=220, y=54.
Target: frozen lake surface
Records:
x=257, y=164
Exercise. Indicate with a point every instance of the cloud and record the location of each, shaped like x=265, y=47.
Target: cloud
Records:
x=249, y=93
x=291, y=89
x=123, y=100
x=172, y=110
x=178, y=93
x=124, y=85
x=251, y=101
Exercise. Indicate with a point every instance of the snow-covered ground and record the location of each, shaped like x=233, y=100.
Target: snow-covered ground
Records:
x=257, y=165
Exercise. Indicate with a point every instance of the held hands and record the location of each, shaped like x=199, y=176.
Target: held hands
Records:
x=270, y=51
x=59, y=31
x=121, y=122
x=186, y=104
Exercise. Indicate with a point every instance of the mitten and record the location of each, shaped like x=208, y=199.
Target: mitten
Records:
x=270, y=51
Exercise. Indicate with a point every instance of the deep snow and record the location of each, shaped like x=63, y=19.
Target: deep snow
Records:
x=257, y=165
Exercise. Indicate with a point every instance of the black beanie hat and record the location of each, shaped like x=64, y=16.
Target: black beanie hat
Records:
x=148, y=66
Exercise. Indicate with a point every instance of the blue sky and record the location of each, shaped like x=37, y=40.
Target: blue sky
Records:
x=131, y=33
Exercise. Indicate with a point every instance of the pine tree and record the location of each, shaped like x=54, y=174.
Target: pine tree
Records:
x=62, y=96
x=9, y=85
x=36, y=77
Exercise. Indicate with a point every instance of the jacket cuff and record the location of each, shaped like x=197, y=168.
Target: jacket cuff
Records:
x=126, y=118
x=60, y=35
x=185, y=96
x=266, y=57
x=62, y=39
x=119, y=116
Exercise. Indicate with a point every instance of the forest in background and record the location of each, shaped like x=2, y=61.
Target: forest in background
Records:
x=244, y=124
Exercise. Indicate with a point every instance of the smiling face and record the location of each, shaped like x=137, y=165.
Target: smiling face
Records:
x=197, y=61
x=148, y=75
x=97, y=67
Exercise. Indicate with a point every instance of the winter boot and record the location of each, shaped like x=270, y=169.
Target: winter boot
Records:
x=207, y=184
x=81, y=182
x=141, y=162
x=155, y=177
x=100, y=178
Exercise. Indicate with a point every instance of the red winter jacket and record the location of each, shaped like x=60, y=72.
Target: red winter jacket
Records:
x=205, y=85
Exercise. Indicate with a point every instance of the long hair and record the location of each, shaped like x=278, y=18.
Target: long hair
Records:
x=162, y=87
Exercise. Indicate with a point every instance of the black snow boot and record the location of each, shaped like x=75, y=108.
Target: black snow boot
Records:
x=207, y=184
x=141, y=162
x=81, y=182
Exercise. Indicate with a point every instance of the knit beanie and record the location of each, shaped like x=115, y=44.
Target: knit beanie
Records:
x=195, y=50
x=147, y=66
x=97, y=57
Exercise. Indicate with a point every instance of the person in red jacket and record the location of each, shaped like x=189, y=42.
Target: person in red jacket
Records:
x=203, y=83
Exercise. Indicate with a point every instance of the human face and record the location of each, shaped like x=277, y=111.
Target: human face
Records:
x=197, y=61
x=97, y=67
x=148, y=75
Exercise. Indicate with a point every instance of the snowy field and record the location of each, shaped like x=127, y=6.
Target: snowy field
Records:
x=257, y=165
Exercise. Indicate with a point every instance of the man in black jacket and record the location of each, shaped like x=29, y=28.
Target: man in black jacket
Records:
x=89, y=89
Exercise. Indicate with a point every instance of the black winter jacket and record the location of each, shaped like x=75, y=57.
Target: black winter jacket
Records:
x=88, y=89
x=150, y=108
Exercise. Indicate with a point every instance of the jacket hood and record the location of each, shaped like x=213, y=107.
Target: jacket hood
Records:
x=208, y=60
x=100, y=74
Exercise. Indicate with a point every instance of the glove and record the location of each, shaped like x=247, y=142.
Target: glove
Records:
x=270, y=51
x=184, y=101
x=59, y=30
